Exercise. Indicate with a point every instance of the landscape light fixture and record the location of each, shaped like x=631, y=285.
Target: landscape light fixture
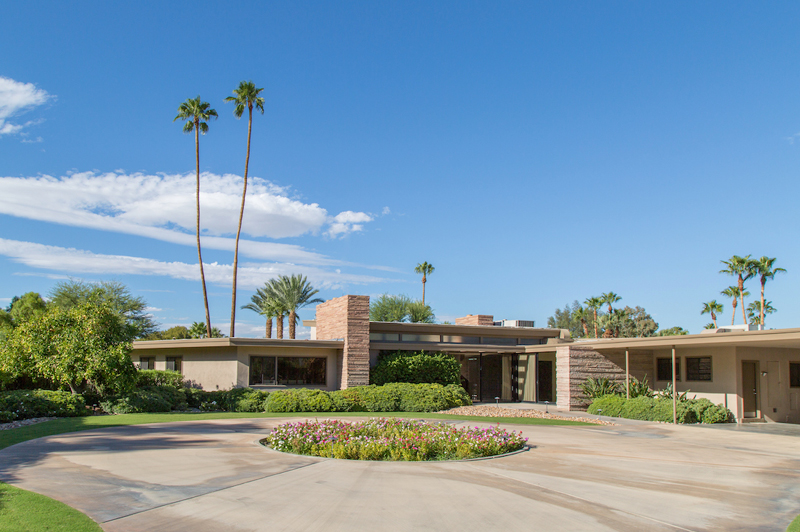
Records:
x=545, y=407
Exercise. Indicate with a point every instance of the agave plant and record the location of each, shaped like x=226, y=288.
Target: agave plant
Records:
x=639, y=388
x=666, y=393
x=595, y=388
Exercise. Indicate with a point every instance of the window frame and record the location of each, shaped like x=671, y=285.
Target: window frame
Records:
x=151, y=365
x=669, y=364
x=794, y=380
x=176, y=361
x=711, y=369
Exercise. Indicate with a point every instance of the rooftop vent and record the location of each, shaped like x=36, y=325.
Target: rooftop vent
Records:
x=515, y=323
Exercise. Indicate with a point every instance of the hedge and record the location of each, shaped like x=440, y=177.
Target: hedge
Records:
x=418, y=368
x=25, y=404
x=157, y=377
x=660, y=409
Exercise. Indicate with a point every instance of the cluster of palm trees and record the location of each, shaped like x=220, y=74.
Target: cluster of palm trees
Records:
x=743, y=269
x=280, y=298
x=196, y=113
x=610, y=322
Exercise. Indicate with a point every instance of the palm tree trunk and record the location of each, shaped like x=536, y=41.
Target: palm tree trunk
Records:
x=595, y=323
x=763, y=282
x=239, y=228
x=423, y=288
x=741, y=295
x=269, y=328
x=279, y=326
x=199, y=253
x=733, y=318
x=714, y=319
x=292, y=326
x=585, y=328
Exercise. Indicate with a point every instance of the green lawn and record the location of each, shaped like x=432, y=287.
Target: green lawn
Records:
x=22, y=511
x=794, y=526
x=25, y=511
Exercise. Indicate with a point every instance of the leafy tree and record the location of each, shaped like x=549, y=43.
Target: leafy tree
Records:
x=197, y=113
x=29, y=305
x=637, y=323
x=293, y=293
x=594, y=303
x=614, y=322
x=82, y=346
x=754, y=311
x=198, y=330
x=566, y=319
x=734, y=293
x=246, y=96
x=743, y=269
x=419, y=312
x=712, y=307
x=425, y=269
x=111, y=293
x=6, y=324
x=389, y=308
x=610, y=298
x=766, y=270
x=179, y=332
x=672, y=331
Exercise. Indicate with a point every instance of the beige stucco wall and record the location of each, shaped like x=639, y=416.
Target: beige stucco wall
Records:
x=777, y=401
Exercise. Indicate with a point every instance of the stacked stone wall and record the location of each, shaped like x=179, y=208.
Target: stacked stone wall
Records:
x=347, y=318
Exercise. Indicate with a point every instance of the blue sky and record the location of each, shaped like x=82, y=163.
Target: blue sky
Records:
x=535, y=153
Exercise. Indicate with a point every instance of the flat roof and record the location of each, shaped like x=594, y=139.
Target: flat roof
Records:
x=464, y=330
x=787, y=338
x=237, y=342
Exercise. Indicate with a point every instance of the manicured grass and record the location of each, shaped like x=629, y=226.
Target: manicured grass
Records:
x=25, y=511
x=75, y=424
x=794, y=526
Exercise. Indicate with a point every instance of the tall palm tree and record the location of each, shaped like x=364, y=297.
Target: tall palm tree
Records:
x=609, y=298
x=594, y=303
x=764, y=268
x=197, y=113
x=264, y=303
x=741, y=267
x=425, y=269
x=755, y=311
x=712, y=307
x=733, y=293
x=581, y=314
x=295, y=292
x=246, y=96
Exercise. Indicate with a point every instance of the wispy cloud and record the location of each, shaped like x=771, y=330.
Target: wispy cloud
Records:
x=162, y=207
x=16, y=98
x=250, y=276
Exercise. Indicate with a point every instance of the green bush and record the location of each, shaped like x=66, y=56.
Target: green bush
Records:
x=716, y=414
x=25, y=404
x=146, y=399
x=609, y=405
x=6, y=416
x=233, y=400
x=596, y=388
x=157, y=377
x=421, y=367
x=283, y=401
x=343, y=402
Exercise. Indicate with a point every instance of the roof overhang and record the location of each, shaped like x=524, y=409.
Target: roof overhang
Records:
x=463, y=330
x=238, y=342
x=446, y=347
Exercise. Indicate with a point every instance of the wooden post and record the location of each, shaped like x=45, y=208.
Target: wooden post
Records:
x=627, y=376
x=674, y=391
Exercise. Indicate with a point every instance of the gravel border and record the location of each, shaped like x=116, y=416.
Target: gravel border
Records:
x=25, y=422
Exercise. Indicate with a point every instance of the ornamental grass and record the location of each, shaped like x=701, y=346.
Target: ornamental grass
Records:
x=392, y=439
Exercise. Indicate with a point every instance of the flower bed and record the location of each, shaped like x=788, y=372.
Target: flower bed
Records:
x=392, y=439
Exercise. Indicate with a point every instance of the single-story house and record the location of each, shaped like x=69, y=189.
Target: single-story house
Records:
x=756, y=374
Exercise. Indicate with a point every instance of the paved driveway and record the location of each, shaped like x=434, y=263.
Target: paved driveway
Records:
x=212, y=475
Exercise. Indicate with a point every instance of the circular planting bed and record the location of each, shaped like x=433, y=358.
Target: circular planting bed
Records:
x=392, y=440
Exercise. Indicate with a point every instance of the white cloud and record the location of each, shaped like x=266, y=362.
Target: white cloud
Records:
x=153, y=309
x=347, y=222
x=250, y=275
x=15, y=99
x=387, y=210
x=162, y=207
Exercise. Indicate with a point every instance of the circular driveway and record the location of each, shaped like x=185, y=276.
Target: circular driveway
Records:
x=212, y=475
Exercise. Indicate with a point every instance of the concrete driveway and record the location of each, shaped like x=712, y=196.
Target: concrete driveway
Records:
x=212, y=475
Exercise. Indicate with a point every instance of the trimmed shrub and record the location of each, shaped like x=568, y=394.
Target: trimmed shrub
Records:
x=283, y=401
x=343, y=403
x=25, y=404
x=456, y=396
x=6, y=417
x=417, y=368
x=716, y=414
x=609, y=405
x=157, y=377
x=146, y=399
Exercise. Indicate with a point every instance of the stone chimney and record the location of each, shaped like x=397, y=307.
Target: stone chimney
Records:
x=347, y=318
x=476, y=319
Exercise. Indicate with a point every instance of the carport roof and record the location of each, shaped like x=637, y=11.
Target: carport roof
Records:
x=787, y=338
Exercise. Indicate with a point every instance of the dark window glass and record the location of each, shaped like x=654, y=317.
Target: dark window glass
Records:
x=147, y=363
x=532, y=341
x=421, y=338
x=262, y=370
x=698, y=369
x=664, y=369
x=794, y=374
x=494, y=340
x=174, y=364
x=384, y=337
x=301, y=371
x=461, y=339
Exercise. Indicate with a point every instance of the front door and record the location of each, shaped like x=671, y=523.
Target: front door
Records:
x=545, y=384
x=471, y=376
x=750, y=388
x=491, y=377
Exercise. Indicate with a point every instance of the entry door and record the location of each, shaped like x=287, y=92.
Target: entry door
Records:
x=471, y=377
x=545, y=384
x=750, y=388
x=491, y=377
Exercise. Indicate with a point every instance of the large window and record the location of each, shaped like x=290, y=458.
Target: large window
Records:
x=794, y=374
x=495, y=340
x=174, y=364
x=698, y=368
x=664, y=369
x=147, y=363
x=288, y=371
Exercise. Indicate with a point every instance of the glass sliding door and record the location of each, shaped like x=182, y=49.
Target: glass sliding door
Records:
x=262, y=370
